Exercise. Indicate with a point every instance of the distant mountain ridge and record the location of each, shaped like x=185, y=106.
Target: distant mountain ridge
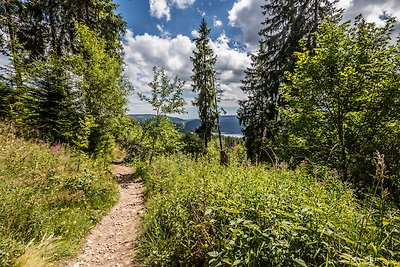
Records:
x=229, y=123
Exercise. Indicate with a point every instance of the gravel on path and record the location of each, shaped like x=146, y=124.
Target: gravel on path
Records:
x=112, y=241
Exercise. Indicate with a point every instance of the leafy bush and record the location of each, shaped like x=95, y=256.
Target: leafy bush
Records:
x=156, y=136
x=202, y=214
x=49, y=200
x=192, y=144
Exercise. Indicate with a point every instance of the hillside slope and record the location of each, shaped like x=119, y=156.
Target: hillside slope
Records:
x=229, y=124
x=49, y=199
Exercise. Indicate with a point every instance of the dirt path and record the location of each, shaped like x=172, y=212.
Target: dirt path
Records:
x=111, y=242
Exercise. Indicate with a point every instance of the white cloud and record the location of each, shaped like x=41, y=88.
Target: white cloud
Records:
x=195, y=34
x=182, y=4
x=201, y=12
x=159, y=9
x=217, y=22
x=173, y=54
x=247, y=15
x=372, y=11
x=344, y=4
x=162, y=8
x=164, y=33
x=159, y=28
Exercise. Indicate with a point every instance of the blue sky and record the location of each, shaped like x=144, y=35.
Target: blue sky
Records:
x=181, y=20
x=160, y=33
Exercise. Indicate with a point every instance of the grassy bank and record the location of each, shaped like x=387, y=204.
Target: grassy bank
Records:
x=49, y=199
x=201, y=214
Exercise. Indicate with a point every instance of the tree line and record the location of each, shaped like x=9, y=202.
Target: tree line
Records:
x=64, y=78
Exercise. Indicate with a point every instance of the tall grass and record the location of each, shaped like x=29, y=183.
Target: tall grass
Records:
x=202, y=214
x=49, y=199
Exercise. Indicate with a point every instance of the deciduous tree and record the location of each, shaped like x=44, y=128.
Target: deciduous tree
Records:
x=343, y=100
x=166, y=98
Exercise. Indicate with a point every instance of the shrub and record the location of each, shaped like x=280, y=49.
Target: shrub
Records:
x=202, y=214
x=192, y=144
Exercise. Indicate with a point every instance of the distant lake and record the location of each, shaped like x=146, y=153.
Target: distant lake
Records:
x=230, y=125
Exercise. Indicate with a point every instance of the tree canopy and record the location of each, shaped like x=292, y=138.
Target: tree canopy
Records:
x=343, y=99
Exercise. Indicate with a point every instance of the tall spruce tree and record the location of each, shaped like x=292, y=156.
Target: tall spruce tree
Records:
x=287, y=22
x=204, y=83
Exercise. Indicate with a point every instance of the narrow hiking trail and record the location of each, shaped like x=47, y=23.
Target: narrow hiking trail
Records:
x=112, y=241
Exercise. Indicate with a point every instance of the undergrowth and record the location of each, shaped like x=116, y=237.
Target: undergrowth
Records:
x=49, y=199
x=199, y=213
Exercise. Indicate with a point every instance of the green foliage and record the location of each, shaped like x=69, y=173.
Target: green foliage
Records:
x=199, y=213
x=46, y=27
x=104, y=94
x=151, y=138
x=162, y=135
x=204, y=84
x=166, y=96
x=286, y=23
x=50, y=103
x=6, y=95
x=65, y=69
x=131, y=140
x=81, y=134
x=343, y=101
x=49, y=199
x=192, y=144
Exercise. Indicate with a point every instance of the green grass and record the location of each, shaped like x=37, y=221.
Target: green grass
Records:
x=201, y=214
x=49, y=199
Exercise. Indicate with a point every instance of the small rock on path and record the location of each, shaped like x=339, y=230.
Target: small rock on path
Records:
x=112, y=241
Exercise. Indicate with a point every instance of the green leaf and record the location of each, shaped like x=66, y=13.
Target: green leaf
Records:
x=300, y=262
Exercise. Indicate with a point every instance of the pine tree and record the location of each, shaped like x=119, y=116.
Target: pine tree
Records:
x=204, y=83
x=287, y=23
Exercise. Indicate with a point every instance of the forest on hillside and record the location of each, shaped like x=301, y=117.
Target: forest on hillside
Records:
x=315, y=181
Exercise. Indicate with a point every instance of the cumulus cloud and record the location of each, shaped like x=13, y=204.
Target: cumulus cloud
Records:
x=372, y=10
x=162, y=8
x=246, y=15
x=159, y=9
x=230, y=66
x=173, y=54
x=145, y=51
